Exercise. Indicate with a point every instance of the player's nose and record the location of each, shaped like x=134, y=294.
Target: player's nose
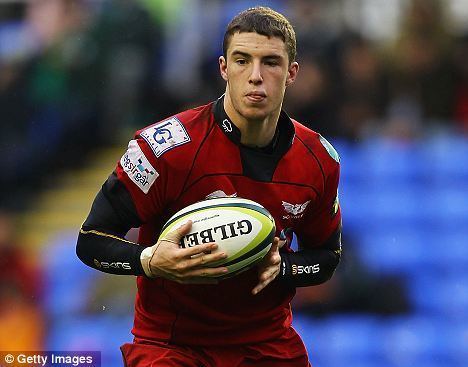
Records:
x=256, y=73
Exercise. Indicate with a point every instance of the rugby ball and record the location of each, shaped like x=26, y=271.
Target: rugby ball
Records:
x=242, y=228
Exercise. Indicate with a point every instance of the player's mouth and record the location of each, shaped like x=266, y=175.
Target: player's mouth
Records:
x=256, y=97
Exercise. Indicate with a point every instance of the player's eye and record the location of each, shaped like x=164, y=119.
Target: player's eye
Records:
x=241, y=61
x=271, y=63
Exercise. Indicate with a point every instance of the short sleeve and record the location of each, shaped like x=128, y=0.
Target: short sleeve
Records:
x=144, y=176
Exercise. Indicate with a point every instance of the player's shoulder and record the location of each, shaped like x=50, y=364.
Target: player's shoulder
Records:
x=317, y=144
x=181, y=132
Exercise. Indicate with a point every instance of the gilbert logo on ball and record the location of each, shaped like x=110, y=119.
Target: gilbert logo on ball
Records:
x=242, y=228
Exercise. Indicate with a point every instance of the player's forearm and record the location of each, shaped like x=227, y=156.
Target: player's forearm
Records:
x=108, y=253
x=101, y=244
x=311, y=266
x=307, y=267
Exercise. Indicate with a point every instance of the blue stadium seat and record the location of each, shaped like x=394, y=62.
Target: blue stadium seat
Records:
x=91, y=333
x=447, y=250
x=457, y=342
x=347, y=336
x=406, y=340
x=445, y=156
x=67, y=279
x=386, y=160
x=388, y=251
x=449, y=205
x=443, y=294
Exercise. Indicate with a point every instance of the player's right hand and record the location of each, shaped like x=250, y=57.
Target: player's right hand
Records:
x=184, y=265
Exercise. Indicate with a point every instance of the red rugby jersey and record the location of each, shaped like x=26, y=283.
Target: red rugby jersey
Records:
x=197, y=154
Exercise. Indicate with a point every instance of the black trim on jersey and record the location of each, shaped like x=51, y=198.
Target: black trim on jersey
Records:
x=258, y=163
x=315, y=157
x=311, y=266
x=242, y=175
x=100, y=243
x=194, y=160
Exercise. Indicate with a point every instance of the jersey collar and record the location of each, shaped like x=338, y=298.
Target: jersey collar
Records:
x=284, y=134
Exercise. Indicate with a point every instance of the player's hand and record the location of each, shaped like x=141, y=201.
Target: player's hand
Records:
x=185, y=265
x=269, y=267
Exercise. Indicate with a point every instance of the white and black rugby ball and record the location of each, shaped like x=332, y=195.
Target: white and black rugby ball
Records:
x=242, y=228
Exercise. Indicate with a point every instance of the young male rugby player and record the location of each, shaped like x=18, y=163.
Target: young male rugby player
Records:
x=244, y=145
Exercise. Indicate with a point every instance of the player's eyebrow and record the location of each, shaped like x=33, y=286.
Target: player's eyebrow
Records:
x=247, y=55
x=240, y=53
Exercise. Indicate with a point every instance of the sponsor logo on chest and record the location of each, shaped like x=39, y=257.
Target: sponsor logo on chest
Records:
x=294, y=211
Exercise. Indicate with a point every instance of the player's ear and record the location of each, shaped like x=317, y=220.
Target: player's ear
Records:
x=292, y=73
x=223, y=67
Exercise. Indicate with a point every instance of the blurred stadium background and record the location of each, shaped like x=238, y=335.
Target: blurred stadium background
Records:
x=385, y=80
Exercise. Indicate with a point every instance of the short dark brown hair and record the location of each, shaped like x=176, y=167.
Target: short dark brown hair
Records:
x=264, y=21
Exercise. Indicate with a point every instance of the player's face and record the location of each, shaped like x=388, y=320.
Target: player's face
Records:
x=257, y=71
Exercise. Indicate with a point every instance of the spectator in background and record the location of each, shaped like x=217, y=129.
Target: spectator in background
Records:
x=422, y=76
x=310, y=98
x=20, y=292
x=43, y=88
x=461, y=89
x=77, y=73
x=126, y=43
x=361, y=88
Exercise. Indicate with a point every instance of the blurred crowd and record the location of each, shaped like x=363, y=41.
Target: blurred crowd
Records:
x=21, y=286
x=78, y=75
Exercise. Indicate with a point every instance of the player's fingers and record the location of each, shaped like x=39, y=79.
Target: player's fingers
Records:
x=204, y=259
x=275, y=245
x=199, y=249
x=271, y=258
x=177, y=234
x=269, y=273
x=281, y=243
x=260, y=286
x=185, y=265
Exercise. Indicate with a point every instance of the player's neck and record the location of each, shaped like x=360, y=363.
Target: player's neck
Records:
x=254, y=133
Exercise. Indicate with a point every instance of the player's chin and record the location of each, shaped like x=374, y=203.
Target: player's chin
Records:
x=255, y=113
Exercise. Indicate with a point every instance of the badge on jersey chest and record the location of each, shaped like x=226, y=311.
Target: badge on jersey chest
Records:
x=294, y=211
x=165, y=135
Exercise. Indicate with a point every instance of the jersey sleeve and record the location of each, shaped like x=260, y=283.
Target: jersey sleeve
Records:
x=324, y=219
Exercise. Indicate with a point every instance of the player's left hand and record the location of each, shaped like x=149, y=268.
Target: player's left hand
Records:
x=270, y=265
